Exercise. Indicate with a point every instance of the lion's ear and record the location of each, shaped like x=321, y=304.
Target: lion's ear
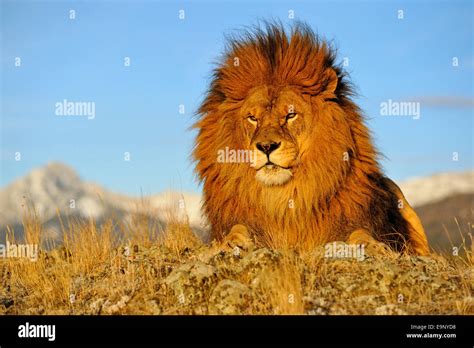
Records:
x=330, y=84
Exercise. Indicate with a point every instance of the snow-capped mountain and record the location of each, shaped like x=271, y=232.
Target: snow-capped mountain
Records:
x=57, y=189
x=423, y=190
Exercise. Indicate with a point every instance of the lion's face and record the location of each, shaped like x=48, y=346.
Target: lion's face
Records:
x=276, y=126
x=276, y=130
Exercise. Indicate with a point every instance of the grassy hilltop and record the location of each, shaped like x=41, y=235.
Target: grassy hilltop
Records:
x=142, y=271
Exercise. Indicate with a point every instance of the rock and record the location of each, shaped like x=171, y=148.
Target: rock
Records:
x=316, y=305
x=229, y=297
x=389, y=309
x=258, y=262
x=191, y=281
x=369, y=302
x=114, y=308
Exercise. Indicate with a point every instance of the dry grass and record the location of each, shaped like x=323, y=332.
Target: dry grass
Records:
x=143, y=270
x=284, y=286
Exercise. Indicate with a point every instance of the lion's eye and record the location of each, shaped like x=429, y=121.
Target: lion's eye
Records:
x=252, y=118
x=291, y=115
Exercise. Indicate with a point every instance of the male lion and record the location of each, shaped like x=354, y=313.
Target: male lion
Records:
x=314, y=176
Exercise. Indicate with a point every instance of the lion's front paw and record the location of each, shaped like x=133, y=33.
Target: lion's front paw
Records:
x=363, y=237
x=238, y=237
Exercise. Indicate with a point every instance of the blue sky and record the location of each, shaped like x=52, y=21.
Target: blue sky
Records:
x=171, y=61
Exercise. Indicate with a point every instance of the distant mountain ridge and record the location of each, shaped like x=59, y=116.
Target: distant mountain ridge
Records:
x=438, y=199
x=423, y=190
x=57, y=187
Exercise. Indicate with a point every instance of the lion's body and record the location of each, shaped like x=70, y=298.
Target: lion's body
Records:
x=334, y=185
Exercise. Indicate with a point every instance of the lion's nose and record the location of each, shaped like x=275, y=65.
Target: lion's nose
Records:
x=268, y=147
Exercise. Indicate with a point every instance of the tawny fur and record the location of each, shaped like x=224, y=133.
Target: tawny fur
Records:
x=328, y=197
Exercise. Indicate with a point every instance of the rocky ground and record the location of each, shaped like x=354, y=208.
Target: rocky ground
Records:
x=162, y=279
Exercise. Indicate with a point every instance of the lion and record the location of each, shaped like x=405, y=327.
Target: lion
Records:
x=313, y=176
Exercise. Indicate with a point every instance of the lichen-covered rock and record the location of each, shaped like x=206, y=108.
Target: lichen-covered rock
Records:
x=191, y=274
x=190, y=283
x=229, y=297
x=316, y=305
x=389, y=309
x=259, y=262
x=115, y=307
